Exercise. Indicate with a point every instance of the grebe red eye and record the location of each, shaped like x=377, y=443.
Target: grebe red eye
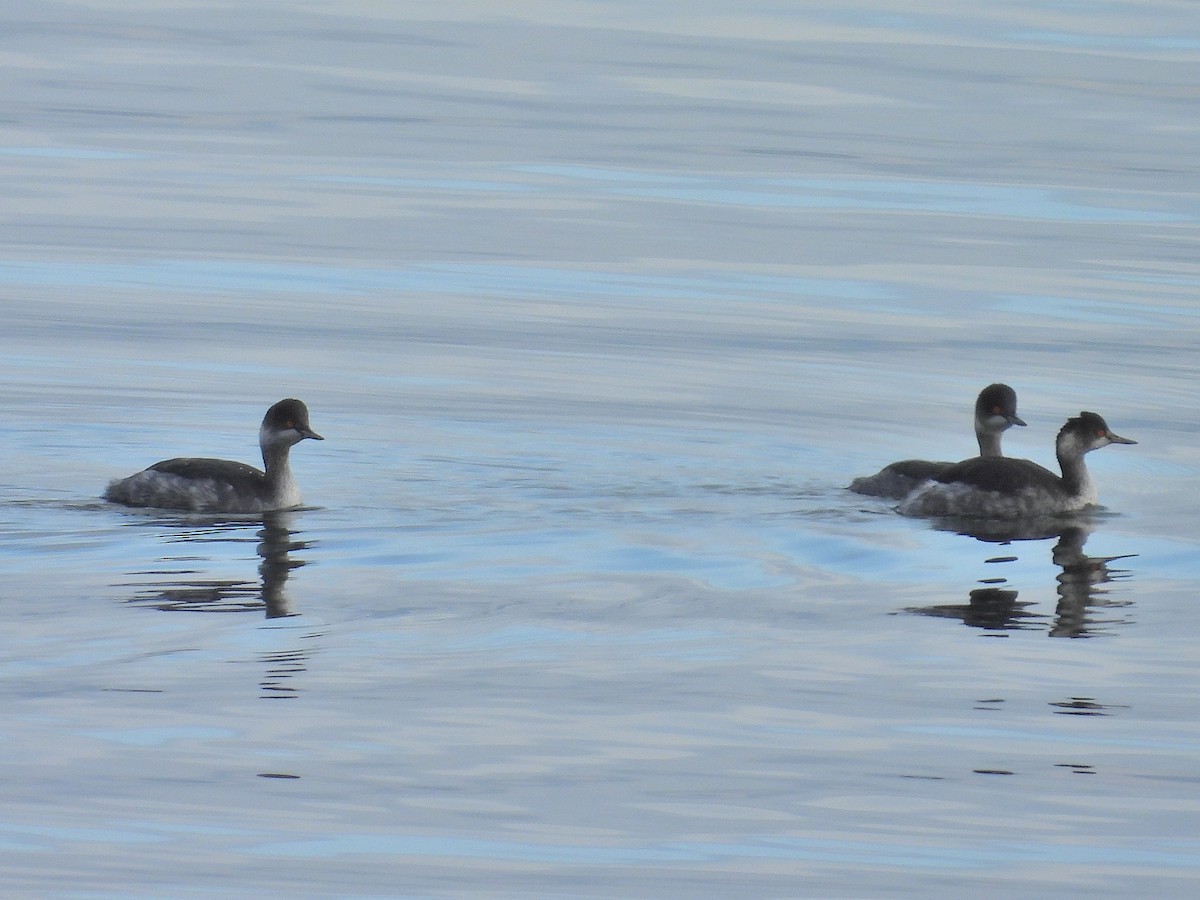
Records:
x=291, y=424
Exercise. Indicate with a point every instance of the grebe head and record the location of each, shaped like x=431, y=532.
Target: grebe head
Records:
x=285, y=424
x=996, y=408
x=1086, y=432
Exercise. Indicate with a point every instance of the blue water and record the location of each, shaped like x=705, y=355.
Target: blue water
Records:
x=599, y=308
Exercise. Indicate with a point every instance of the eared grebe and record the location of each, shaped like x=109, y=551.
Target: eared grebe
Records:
x=995, y=412
x=1000, y=487
x=221, y=485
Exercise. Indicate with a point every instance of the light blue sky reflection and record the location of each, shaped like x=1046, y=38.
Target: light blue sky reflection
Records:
x=768, y=847
x=491, y=280
x=870, y=195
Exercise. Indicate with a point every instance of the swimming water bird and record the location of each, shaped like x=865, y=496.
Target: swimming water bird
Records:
x=995, y=412
x=222, y=485
x=1001, y=487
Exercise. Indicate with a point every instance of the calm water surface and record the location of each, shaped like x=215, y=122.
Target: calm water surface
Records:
x=599, y=308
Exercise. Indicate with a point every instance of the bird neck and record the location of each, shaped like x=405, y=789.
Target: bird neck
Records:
x=275, y=459
x=1076, y=478
x=989, y=441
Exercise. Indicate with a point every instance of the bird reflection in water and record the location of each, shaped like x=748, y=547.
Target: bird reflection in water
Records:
x=1079, y=591
x=990, y=608
x=275, y=542
x=1078, y=584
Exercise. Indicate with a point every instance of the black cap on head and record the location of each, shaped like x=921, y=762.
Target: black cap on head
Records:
x=290, y=413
